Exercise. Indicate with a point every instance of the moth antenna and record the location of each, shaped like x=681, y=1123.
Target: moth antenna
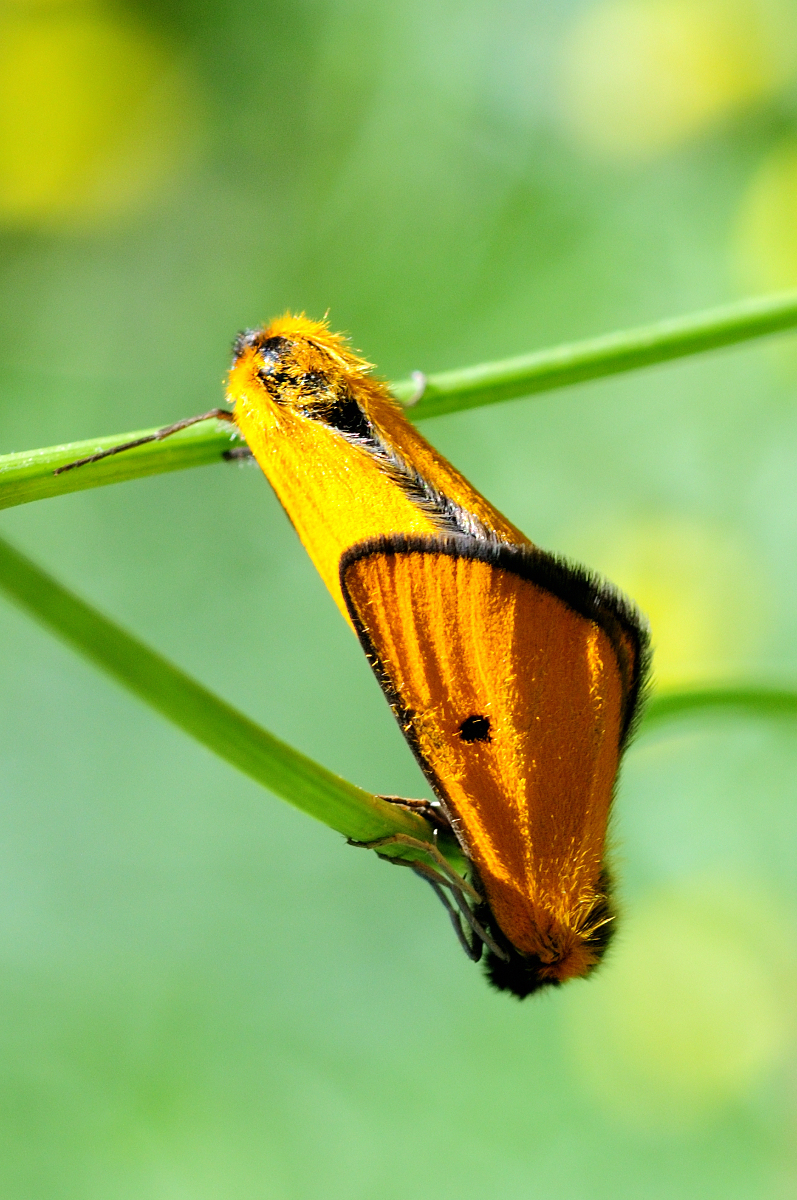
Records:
x=220, y=414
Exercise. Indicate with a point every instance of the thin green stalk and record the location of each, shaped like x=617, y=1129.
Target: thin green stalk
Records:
x=348, y=809
x=29, y=475
x=761, y=701
x=612, y=354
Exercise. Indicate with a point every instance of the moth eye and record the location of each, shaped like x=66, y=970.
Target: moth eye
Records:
x=475, y=729
x=272, y=351
x=276, y=345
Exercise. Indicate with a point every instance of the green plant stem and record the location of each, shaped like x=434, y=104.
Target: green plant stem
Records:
x=29, y=475
x=348, y=809
x=761, y=701
x=595, y=358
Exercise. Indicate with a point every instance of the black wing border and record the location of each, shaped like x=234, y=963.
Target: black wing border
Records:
x=582, y=590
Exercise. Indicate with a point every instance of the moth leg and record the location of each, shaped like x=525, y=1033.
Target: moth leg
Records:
x=437, y=882
x=431, y=809
x=454, y=880
x=221, y=414
x=479, y=931
x=465, y=909
x=472, y=949
x=448, y=877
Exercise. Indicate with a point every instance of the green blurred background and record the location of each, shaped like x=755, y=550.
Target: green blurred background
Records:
x=203, y=994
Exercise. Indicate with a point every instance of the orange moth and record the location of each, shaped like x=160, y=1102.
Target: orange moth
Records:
x=515, y=677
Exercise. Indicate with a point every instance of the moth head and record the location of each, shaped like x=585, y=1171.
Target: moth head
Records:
x=298, y=365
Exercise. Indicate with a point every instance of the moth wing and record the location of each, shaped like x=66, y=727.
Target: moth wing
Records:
x=514, y=679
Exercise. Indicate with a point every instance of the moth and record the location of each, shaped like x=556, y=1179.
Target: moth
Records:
x=515, y=676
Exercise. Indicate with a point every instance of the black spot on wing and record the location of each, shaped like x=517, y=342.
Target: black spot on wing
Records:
x=475, y=729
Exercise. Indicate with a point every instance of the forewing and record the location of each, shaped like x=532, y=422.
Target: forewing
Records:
x=515, y=703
